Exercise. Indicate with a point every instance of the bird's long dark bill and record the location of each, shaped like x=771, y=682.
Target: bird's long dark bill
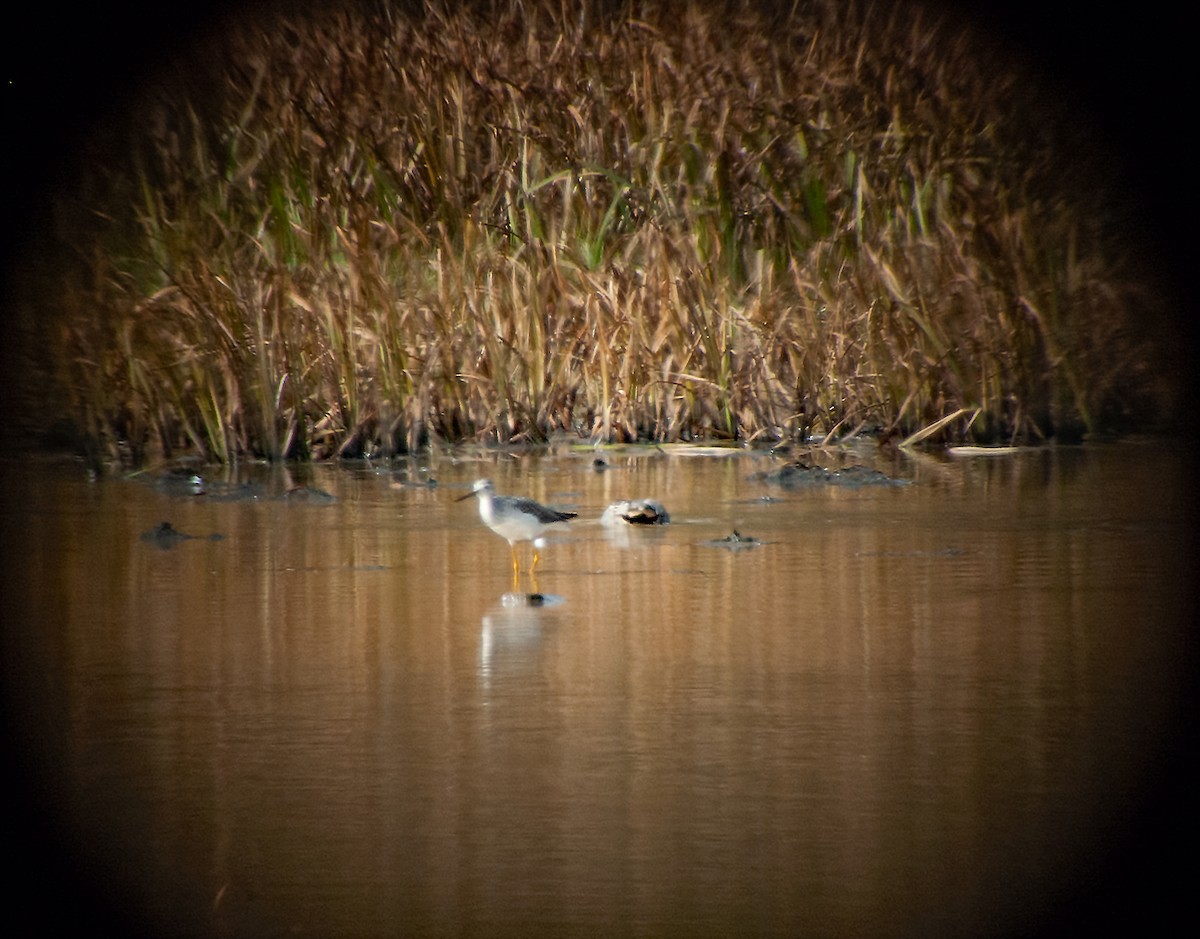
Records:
x=467, y=496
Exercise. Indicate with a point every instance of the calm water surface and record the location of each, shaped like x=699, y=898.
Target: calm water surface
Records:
x=915, y=710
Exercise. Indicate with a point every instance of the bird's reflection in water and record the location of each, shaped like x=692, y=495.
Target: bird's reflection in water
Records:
x=511, y=634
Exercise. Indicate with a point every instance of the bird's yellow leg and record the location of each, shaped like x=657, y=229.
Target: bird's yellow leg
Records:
x=516, y=562
x=536, y=557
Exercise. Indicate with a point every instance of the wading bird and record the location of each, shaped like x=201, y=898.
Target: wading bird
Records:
x=514, y=518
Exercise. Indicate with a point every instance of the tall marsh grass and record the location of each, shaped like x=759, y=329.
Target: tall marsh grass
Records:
x=359, y=231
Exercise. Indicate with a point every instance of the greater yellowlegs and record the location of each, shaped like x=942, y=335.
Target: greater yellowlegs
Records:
x=514, y=518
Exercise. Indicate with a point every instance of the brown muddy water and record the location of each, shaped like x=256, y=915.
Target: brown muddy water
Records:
x=939, y=708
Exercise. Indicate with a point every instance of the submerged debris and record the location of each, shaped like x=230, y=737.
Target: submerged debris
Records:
x=180, y=480
x=800, y=474
x=428, y=482
x=164, y=535
x=235, y=492
x=734, y=542
x=183, y=481
x=635, y=512
x=308, y=494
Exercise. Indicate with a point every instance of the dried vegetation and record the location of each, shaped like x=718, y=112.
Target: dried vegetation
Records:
x=361, y=231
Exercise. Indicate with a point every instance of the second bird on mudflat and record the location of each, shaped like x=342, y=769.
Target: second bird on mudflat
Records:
x=514, y=518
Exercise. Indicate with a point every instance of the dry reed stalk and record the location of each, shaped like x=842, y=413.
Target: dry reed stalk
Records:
x=377, y=228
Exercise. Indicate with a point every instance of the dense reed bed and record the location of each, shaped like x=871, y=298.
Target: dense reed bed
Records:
x=363, y=230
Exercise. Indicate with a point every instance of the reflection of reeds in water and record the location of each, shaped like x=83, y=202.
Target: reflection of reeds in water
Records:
x=367, y=231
